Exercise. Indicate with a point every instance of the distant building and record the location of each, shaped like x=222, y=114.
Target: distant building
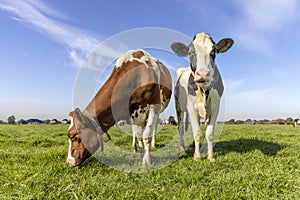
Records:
x=34, y=121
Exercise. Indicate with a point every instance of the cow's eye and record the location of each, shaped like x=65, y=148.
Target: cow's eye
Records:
x=73, y=137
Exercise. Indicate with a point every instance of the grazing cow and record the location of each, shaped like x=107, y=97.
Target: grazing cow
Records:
x=139, y=87
x=198, y=88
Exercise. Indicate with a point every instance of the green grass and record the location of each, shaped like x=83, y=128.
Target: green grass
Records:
x=252, y=162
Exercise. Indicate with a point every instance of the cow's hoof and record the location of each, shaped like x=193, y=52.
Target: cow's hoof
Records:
x=211, y=158
x=146, y=160
x=196, y=158
x=153, y=146
x=106, y=137
x=182, y=148
x=133, y=149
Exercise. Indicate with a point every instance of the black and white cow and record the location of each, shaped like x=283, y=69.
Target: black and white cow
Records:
x=198, y=88
x=296, y=122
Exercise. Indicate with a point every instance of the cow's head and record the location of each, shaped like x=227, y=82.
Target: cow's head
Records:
x=83, y=139
x=202, y=52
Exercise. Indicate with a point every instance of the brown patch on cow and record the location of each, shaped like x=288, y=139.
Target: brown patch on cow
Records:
x=138, y=54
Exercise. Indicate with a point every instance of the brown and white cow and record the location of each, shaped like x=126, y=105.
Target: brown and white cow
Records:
x=198, y=88
x=139, y=87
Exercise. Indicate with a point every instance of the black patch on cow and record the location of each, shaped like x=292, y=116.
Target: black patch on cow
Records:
x=217, y=81
x=193, y=57
x=192, y=87
x=177, y=86
x=194, y=37
x=136, y=114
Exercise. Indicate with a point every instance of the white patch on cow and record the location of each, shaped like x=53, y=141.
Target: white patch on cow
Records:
x=148, y=133
x=70, y=159
x=203, y=46
x=204, y=41
x=181, y=71
x=128, y=57
x=72, y=122
x=200, y=103
x=140, y=116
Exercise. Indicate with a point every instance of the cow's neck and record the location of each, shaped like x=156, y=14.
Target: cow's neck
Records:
x=217, y=82
x=111, y=103
x=101, y=105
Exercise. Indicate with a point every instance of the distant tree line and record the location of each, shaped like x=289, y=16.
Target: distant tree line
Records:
x=287, y=121
x=171, y=120
x=12, y=120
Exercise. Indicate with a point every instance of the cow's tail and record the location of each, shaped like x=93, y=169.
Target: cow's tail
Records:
x=186, y=122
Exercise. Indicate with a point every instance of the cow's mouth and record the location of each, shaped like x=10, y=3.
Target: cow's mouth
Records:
x=202, y=82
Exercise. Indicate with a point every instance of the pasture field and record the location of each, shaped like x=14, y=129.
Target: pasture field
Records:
x=252, y=162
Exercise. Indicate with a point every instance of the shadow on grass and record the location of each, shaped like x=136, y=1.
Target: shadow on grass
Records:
x=242, y=146
x=247, y=145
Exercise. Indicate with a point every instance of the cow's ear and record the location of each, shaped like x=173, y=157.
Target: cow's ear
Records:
x=71, y=114
x=180, y=49
x=79, y=119
x=223, y=45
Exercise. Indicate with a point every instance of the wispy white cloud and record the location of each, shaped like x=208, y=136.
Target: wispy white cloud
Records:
x=259, y=20
x=231, y=85
x=252, y=24
x=44, y=19
x=266, y=14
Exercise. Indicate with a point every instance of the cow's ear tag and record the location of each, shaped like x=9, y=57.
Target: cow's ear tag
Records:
x=105, y=137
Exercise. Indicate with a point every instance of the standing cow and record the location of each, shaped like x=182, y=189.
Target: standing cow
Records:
x=139, y=86
x=296, y=122
x=198, y=88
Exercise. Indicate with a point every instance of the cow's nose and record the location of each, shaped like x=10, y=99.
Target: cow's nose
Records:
x=202, y=74
x=71, y=162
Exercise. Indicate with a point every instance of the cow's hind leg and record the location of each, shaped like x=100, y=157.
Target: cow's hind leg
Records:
x=147, y=134
x=137, y=132
x=153, y=141
x=181, y=129
x=180, y=115
x=133, y=146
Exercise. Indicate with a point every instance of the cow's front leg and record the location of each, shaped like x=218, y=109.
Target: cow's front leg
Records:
x=147, y=134
x=210, y=140
x=210, y=132
x=196, y=132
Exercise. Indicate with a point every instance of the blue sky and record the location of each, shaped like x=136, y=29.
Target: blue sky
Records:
x=43, y=44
